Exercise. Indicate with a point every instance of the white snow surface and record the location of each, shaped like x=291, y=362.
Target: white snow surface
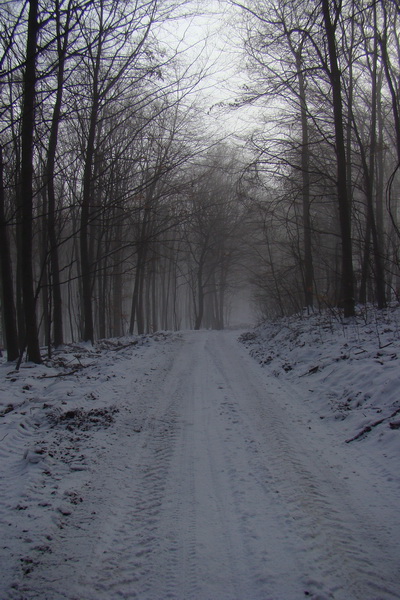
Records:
x=175, y=466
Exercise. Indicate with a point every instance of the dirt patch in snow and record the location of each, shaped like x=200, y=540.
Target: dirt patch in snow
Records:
x=82, y=419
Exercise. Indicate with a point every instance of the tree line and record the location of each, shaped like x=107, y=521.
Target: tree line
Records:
x=325, y=165
x=112, y=212
x=121, y=212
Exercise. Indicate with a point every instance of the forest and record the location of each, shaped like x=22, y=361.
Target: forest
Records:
x=123, y=211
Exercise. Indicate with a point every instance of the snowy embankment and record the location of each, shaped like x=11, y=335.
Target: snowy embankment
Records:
x=176, y=466
x=347, y=370
x=57, y=422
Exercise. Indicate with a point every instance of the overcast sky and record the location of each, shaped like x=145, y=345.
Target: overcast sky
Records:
x=211, y=41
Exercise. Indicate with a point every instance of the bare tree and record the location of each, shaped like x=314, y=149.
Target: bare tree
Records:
x=26, y=207
x=7, y=285
x=66, y=19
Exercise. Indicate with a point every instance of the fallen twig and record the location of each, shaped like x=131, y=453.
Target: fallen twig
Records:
x=64, y=374
x=369, y=428
x=311, y=371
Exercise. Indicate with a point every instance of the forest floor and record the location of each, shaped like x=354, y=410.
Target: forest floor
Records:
x=194, y=466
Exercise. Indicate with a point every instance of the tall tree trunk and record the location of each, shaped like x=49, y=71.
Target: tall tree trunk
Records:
x=62, y=44
x=44, y=277
x=371, y=183
x=369, y=168
x=86, y=259
x=26, y=209
x=7, y=287
x=84, y=239
x=305, y=173
x=380, y=165
x=344, y=201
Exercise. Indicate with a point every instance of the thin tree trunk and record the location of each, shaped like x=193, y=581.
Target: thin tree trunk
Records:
x=371, y=184
x=380, y=183
x=7, y=287
x=344, y=201
x=137, y=298
x=44, y=279
x=369, y=179
x=134, y=299
x=365, y=267
x=305, y=173
x=140, y=316
x=154, y=303
x=87, y=196
x=200, y=298
x=49, y=181
x=117, y=294
x=84, y=239
x=101, y=299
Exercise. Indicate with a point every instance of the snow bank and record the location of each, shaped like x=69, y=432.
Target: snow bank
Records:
x=56, y=423
x=348, y=371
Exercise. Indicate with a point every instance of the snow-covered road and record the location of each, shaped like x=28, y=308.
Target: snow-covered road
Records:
x=217, y=484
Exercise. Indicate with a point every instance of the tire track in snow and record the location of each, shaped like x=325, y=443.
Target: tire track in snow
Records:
x=125, y=567
x=337, y=547
x=226, y=522
x=98, y=551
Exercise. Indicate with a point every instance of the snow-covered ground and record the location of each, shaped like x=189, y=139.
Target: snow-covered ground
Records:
x=177, y=466
x=348, y=371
